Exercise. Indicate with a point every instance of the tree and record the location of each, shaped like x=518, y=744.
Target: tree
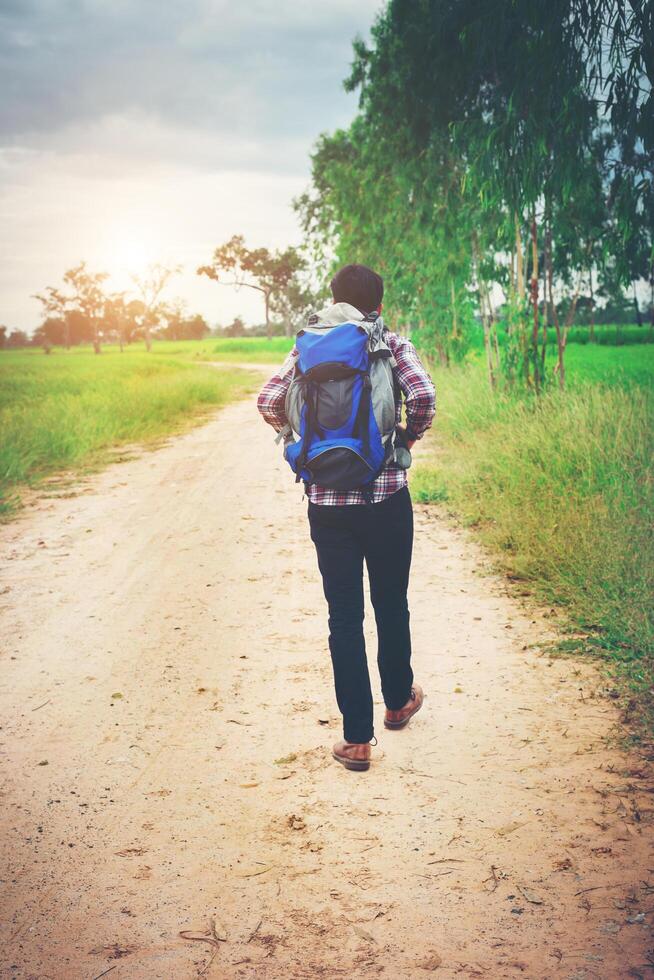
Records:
x=80, y=329
x=88, y=297
x=270, y=273
x=150, y=288
x=501, y=88
x=195, y=327
x=3, y=335
x=236, y=328
x=408, y=220
x=495, y=144
x=181, y=326
x=57, y=307
x=53, y=331
x=17, y=338
x=118, y=317
x=295, y=304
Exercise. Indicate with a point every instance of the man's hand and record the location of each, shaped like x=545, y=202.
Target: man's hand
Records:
x=401, y=430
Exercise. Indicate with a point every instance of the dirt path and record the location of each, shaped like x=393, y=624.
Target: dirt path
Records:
x=163, y=653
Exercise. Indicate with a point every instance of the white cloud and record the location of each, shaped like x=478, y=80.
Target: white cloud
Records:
x=134, y=127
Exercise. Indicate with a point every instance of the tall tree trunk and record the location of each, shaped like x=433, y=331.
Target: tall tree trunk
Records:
x=592, y=306
x=496, y=343
x=455, y=322
x=487, y=339
x=639, y=319
x=520, y=278
x=546, y=321
x=495, y=358
x=521, y=295
x=481, y=290
x=571, y=311
x=96, y=338
x=560, y=343
x=147, y=337
x=534, y=299
x=443, y=354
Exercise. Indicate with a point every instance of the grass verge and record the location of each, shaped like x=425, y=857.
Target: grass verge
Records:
x=561, y=489
x=65, y=411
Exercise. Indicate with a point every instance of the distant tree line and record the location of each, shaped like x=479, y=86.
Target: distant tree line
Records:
x=82, y=311
x=502, y=154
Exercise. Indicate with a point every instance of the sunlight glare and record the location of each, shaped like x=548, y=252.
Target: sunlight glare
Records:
x=129, y=251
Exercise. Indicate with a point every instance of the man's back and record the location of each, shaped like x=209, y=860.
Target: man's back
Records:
x=414, y=386
x=372, y=523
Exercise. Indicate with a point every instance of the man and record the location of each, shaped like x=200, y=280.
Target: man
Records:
x=375, y=525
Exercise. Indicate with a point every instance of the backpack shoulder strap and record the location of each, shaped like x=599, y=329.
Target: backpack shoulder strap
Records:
x=382, y=349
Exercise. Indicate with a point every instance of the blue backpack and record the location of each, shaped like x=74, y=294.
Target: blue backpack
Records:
x=341, y=404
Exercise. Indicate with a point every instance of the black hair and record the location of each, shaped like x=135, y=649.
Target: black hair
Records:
x=358, y=285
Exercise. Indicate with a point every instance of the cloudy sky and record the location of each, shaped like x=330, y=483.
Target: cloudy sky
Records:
x=134, y=131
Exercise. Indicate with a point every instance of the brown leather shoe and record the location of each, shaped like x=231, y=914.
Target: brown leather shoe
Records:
x=400, y=718
x=353, y=755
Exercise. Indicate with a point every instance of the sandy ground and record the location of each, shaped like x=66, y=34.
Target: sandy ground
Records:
x=167, y=721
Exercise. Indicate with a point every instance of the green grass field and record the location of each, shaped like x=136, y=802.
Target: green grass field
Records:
x=274, y=351
x=604, y=335
x=561, y=490
x=623, y=366
x=613, y=335
x=246, y=349
x=64, y=411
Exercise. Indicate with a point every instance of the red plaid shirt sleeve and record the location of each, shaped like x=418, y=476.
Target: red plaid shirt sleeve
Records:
x=417, y=387
x=272, y=397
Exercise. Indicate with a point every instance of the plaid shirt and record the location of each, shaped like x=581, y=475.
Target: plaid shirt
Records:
x=420, y=401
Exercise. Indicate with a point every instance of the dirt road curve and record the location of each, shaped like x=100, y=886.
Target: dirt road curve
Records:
x=167, y=717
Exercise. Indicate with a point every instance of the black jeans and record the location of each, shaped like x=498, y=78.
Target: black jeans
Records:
x=382, y=534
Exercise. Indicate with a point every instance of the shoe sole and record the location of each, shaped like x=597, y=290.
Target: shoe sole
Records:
x=357, y=765
x=395, y=725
